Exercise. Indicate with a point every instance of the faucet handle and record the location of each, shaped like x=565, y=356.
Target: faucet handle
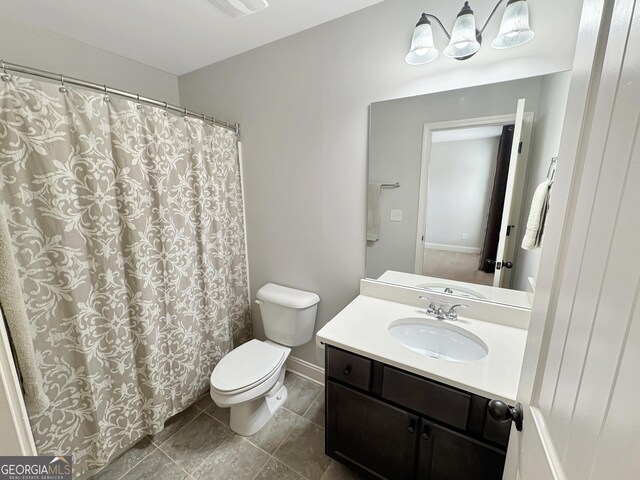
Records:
x=431, y=309
x=452, y=314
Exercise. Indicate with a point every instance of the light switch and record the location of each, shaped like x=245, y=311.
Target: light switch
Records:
x=396, y=215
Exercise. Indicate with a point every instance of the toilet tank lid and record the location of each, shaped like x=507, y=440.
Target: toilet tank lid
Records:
x=287, y=297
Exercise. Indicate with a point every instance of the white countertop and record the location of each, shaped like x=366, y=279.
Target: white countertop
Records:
x=362, y=328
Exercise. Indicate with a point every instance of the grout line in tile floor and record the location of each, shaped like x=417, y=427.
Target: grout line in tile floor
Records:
x=270, y=456
x=172, y=460
x=137, y=463
x=299, y=418
x=159, y=446
x=315, y=399
x=228, y=440
x=205, y=459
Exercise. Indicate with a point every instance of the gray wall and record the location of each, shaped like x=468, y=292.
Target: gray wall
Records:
x=46, y=50
x=302, y=102
x=395, y=154
x=460, y=179
x=546, y=142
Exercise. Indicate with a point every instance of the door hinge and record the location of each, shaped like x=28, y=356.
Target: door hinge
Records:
x=520, y=147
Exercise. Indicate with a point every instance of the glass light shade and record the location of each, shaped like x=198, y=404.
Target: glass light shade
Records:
x=238, y=8
x=514, y=29
x=463, y=38
x=422, y=49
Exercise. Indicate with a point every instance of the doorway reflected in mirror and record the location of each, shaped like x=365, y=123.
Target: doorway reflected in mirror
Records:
x=469, y=162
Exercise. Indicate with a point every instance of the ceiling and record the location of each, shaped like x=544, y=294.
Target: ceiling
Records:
x=177, y=36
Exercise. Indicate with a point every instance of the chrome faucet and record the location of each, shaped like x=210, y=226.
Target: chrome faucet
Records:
x=440, y=313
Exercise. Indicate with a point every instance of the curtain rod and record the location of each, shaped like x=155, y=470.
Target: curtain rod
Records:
x=13, y=67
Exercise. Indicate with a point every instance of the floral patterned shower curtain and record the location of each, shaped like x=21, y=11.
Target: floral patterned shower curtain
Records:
x=127, y=227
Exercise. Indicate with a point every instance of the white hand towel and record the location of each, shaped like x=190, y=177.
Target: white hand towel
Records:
x=537, y=217
x=373, y=211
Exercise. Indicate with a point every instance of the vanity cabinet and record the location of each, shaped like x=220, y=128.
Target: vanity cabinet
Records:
x=391, y=424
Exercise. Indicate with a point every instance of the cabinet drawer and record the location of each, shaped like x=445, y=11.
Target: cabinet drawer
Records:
x=349, y=368
x=426, y=397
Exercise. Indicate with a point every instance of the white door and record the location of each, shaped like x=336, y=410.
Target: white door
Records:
x=580, y=382
x=510, y=224
x=526, y=122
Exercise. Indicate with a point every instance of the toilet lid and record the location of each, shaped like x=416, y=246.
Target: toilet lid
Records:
x=246, y=366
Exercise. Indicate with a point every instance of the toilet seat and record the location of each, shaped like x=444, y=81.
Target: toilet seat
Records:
x=246, y=367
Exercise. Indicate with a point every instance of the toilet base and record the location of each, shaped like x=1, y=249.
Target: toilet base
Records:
x=249, y=417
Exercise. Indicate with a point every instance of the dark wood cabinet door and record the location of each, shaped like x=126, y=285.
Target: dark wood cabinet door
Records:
x=447, y=455
x=370, y=434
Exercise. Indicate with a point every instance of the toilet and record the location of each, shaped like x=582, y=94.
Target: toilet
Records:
x=250, y=379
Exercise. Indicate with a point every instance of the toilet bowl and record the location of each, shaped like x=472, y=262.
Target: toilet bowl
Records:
x=250, y=379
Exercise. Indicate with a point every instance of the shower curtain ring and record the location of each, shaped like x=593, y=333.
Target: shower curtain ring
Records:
x=184, y=113
x=106, y=94
x=139, y=105
x=5, y=76
x=204, y=119
x=166, y=113
x=62, y=88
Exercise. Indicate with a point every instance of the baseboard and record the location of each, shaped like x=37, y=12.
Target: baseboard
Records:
x=306, y=369
x=452, y=248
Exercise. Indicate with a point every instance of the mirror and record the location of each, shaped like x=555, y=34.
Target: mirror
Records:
x=459, y=185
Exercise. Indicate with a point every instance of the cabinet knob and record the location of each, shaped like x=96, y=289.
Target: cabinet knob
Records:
x=410, y=429
x=502, y=412
x=347, y=371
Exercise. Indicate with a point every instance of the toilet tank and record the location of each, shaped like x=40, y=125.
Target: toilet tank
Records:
x=288, y=315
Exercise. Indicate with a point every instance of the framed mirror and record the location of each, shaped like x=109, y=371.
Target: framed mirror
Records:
x=459, y=186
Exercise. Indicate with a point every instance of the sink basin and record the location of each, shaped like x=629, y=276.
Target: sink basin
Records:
x=436, y=339
x=451, y=290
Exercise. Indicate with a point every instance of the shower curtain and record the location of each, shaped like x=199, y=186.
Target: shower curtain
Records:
x=128, y=234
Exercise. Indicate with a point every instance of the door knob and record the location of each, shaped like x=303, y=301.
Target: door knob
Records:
x=507, y=264
x=502, y=412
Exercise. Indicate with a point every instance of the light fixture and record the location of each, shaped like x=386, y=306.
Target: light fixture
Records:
x=465, y=39
x=422, y=49
x=514, y=29
x=238, y=8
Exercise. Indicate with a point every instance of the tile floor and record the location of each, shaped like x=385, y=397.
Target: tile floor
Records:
x=197, y=444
